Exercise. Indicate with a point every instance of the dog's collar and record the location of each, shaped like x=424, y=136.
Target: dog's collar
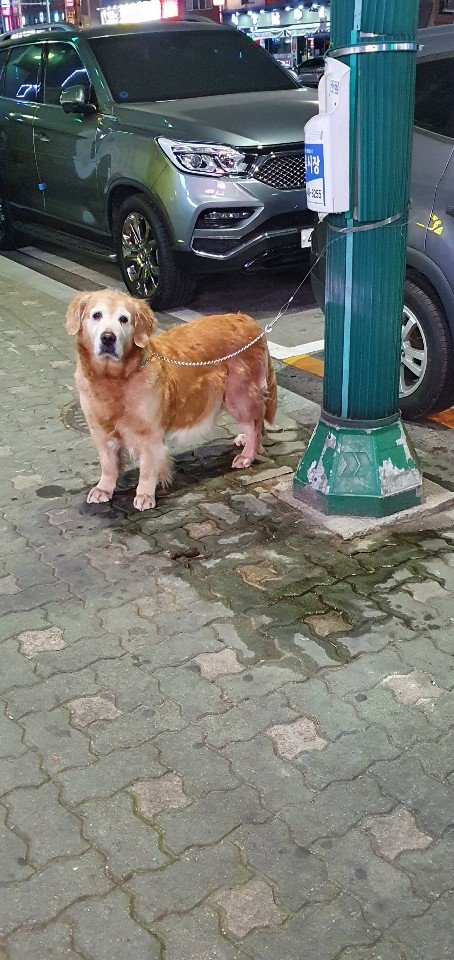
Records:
x=148, y=360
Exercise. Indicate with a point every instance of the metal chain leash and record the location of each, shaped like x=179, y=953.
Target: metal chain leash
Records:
x=269, y=326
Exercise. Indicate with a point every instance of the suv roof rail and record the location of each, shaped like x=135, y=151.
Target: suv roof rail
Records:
x=39, y=28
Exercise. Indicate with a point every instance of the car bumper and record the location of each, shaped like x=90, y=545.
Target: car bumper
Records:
x=273, y=219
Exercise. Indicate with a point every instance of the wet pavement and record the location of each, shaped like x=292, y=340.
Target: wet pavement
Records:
x=225, y=734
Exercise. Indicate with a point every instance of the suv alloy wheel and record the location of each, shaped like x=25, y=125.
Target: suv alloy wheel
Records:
x=426, y=380
x=146, y=258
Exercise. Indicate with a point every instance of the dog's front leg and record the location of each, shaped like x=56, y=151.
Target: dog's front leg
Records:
x=153, y=469
x=108, y=451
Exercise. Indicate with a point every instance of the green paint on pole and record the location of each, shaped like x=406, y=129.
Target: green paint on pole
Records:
x=365, y=278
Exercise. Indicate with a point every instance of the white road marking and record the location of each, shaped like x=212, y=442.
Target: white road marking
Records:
x=279, y=352
x=71, y=267
x=186, y=315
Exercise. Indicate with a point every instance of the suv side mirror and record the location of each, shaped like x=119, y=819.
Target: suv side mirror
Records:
x=75, y=100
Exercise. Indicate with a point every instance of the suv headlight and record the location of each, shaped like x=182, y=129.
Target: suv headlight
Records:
x=208, y=159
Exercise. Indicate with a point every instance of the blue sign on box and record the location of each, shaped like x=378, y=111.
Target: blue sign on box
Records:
x=315, y=173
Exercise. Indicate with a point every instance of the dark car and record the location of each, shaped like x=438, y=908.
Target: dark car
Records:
x=427, y=367
x=176, y=146
x=311, y=71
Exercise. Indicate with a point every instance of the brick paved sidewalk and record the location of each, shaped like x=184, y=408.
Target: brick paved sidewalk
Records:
x=223, y=735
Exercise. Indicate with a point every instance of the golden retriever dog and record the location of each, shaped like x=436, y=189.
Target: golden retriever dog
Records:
x=134, y=401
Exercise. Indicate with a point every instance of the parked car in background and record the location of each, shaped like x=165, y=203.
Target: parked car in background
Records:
x=178, y=146
x=311, y=71
x=427, y=367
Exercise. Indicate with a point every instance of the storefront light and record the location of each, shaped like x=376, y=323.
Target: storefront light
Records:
x=169, y=9
x=297, y=14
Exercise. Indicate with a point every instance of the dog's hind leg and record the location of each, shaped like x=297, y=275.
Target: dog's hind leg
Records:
x=245, y=401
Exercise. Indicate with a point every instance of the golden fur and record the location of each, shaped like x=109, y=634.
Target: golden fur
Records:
x=133, y=401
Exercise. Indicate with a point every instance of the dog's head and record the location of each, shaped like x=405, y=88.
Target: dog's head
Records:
x=110, y=323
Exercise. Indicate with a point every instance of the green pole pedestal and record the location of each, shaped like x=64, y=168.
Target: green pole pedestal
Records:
x=360, y=460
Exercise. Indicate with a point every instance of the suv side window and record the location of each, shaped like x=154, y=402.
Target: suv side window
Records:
x=22, y=71
x=64, y=69
x=434, y=105
x=3, y=59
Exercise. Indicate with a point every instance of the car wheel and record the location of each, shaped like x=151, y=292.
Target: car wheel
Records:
x=426, y=370
x=146, y=258
x=7, y=237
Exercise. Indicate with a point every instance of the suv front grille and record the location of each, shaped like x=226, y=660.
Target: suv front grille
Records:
x=285, y=171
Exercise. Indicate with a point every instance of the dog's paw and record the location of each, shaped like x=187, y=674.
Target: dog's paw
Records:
x=98, y=496
x=240, y=440
x=241, y=462
x=143, y=501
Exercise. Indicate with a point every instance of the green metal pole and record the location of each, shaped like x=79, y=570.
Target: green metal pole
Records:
x=360, y=460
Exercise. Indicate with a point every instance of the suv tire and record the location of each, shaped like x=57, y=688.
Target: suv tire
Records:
x=425, y=338
x=7, y=235
x=146, y=258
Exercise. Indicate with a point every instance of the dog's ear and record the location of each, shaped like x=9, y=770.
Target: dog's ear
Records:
x=75, y=312
x=144, y=323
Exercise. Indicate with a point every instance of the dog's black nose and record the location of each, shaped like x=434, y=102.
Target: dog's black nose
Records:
x=108, y=338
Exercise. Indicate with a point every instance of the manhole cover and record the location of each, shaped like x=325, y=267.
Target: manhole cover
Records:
x=73, y=417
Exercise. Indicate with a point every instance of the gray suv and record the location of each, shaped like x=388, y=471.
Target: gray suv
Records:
x=175, y=146
x=427, y=367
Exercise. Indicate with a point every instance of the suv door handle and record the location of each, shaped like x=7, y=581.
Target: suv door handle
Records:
x=42, y=138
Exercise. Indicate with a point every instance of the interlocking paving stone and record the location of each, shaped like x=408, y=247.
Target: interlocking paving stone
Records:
x=430, y=935
x=45, y=894
x=59, y=744
x=347, y=757
x=46, y=694
x=383, y=950
x=105, y=930
x=33, y=642
x=186, y=882
x=213, y=665
x=297, y=876
x=164, y=793
x=13, y=854
x=50, y=829
x=291, y=739
x=135, y=728
x=210, y=818
x=244, y=721
x=11, y=734
x=333, y=715
x=277, y=781
x=386, y=893
x=86, y=710
x=127, y=842
x=412, y=688
x=195, y=935
x=431, y=801
x=23, y=771
x=335, y=809
x=202, y=769
x=319, y=930
x=197, y=697
x=51, y=943
x=109, y=774
x=246, y=907
x=395, y=832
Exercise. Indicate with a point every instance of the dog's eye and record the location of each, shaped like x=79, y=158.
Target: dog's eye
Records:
x=123, y=319
x=97, y=315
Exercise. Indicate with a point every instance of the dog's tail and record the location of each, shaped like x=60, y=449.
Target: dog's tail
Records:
x=271, y=393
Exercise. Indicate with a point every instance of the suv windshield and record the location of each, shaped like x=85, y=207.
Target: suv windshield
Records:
x=143, y=68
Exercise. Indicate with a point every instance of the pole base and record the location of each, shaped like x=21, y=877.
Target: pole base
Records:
x=358, y=471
